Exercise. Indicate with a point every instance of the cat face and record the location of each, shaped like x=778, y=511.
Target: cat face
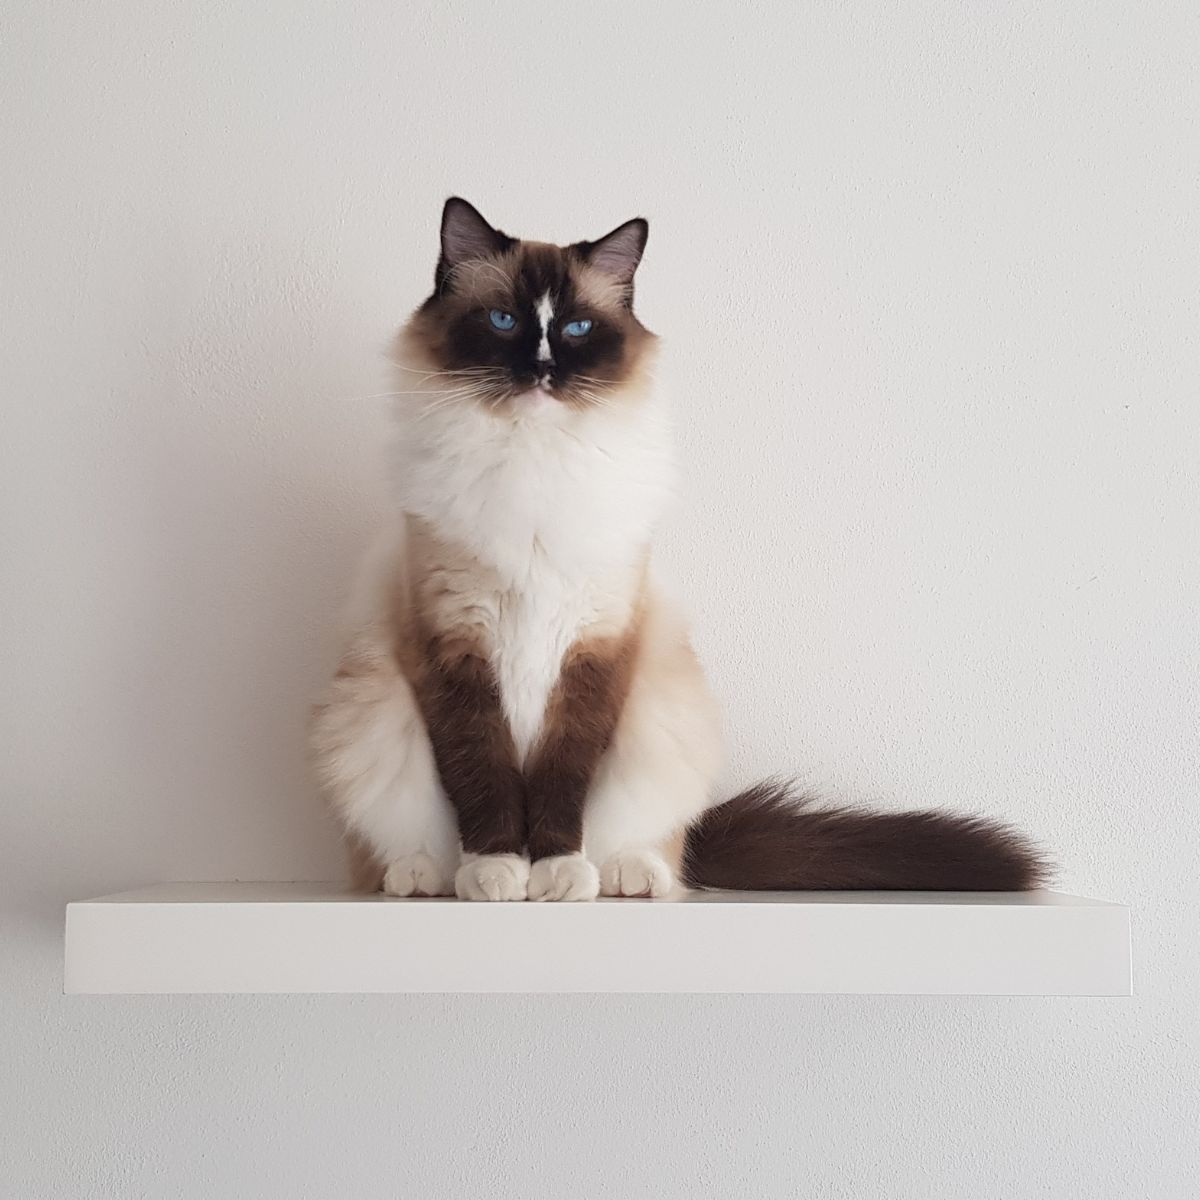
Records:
x=512, y=323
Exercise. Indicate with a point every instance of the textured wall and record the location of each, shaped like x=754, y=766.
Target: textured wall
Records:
x=928, y=275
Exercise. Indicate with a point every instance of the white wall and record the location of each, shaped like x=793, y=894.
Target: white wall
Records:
x=927, y=275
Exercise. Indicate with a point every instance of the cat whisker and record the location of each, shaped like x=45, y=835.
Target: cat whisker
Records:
x=455, y=371
x=357, y=399
x=591, y=398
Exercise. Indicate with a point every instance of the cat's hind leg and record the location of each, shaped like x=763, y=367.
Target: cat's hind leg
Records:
x=658, y=774
x=373, y=756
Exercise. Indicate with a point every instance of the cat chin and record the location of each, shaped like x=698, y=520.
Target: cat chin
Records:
x=534, y=401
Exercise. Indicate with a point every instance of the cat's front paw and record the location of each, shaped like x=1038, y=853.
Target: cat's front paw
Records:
x=418, y=875
x=492, y=877
x=563, y=877
x=637, y=873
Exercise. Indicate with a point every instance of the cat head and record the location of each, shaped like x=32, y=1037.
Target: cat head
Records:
x=515, y=324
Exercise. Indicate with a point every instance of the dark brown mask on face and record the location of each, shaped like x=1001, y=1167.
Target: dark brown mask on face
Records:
x=510, y=319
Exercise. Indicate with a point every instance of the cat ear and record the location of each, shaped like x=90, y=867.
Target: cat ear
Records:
x=466, y=236
x=619, y=252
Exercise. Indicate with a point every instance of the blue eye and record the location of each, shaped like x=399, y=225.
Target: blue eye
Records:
x=501, y=320
x=577, y=328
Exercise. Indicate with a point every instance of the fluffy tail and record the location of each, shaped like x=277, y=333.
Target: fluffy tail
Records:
x=770, y=839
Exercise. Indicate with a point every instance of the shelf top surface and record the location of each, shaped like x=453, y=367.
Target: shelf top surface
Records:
x=266, y=892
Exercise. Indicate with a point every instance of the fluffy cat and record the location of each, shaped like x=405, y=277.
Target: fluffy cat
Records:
x=518, y=713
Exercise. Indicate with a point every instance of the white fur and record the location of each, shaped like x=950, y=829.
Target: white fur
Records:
x=418, y=874
x=657, y=776
x=580, y=491
x=637, y=873
x=492, y=877
x=559, y=504
x=374, y=755
x=545, y=313
x=564, y=877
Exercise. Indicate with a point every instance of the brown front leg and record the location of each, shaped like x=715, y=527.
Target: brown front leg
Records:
x=472, y=746
x=580, y=722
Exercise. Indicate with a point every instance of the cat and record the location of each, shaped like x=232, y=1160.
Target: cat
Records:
x=518, y=712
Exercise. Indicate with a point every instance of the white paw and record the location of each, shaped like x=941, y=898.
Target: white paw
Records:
x=563, y=877
x=417, y=875
x=637, y=873
x=492, y=877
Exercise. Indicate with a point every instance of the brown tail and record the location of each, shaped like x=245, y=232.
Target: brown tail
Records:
x=770, y=839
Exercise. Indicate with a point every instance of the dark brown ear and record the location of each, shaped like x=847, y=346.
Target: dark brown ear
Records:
x=619, y=252
x=466, y=236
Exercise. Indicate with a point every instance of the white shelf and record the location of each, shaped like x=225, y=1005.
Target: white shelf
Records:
x=317, y=937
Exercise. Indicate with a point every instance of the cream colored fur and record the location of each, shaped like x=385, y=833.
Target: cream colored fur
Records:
x=529, y=528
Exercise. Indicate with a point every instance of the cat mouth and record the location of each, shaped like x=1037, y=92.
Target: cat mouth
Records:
x=546, y=391
x=535, y=396
x=538, y=388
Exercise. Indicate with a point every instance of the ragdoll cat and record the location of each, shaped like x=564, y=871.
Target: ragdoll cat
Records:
x=518, y=713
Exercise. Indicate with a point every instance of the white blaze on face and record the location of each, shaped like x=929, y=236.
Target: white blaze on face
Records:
x=545, y=313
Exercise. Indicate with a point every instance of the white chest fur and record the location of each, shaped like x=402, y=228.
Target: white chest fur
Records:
x=534, y=630
x=557, y=506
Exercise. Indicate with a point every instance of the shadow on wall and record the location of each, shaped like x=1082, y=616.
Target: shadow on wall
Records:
x=269, y=508
x=222, y=532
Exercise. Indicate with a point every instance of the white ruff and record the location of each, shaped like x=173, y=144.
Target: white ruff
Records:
x=559, y=503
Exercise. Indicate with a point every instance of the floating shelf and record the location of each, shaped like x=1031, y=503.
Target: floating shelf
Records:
x=318, y=937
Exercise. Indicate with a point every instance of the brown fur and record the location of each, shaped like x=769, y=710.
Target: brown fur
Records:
x=501, y=808
x=580, y=721
x=502, y=280
x=445, y=658
x=630, y=725
x=769, y=838
x=472, y=745
x=444, y=654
